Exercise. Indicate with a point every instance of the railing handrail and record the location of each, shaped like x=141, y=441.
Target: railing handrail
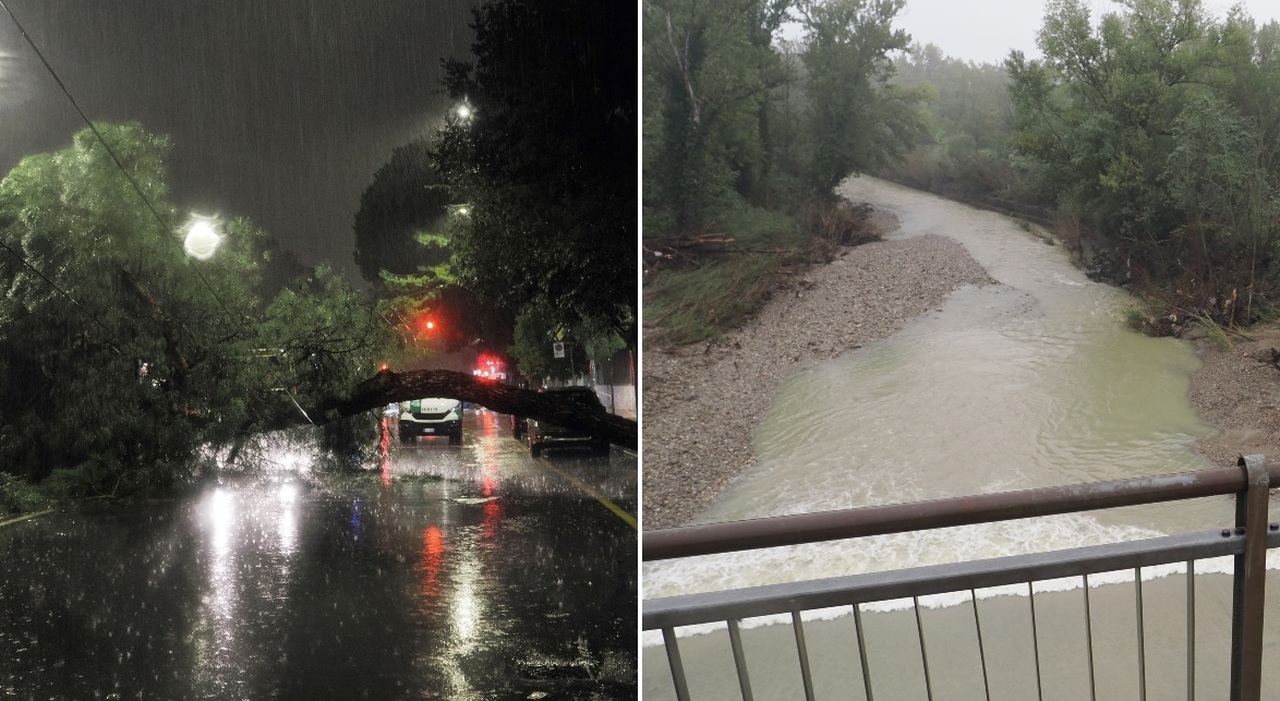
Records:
x=846, y=590
x=859, y=522
x=1247, y=541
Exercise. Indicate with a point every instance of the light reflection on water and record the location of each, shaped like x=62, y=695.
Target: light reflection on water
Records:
x=449, y=580
x=452, y=592
x=218, y=614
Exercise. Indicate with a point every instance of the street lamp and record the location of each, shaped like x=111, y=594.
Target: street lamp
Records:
x=465, y=111
x=202, y=239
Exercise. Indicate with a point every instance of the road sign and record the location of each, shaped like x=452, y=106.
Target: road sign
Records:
x=558, y=349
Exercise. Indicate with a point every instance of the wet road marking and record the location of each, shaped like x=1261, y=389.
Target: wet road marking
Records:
x=622, y=514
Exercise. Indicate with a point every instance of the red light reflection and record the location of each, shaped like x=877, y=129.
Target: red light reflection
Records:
x=432, y=560
x=492, y=515
x=386, y=451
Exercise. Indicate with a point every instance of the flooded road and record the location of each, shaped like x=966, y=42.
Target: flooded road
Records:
x=1031, y=382
x=471, y=572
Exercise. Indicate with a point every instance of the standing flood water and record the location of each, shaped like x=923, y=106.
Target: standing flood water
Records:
x=1030, y=382
x=471, y=573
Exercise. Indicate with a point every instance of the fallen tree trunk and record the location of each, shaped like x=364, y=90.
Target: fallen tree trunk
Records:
x=387, y=387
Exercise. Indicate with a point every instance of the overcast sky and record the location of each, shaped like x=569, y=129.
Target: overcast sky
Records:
x=279, y=110
x=986, y=30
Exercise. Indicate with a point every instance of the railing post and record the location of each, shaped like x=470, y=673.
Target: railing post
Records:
x=1249, y=582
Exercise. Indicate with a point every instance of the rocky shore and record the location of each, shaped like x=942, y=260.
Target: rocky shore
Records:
x=702, y=403
x=1237, y=390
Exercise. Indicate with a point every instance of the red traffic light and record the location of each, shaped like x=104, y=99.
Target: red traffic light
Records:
x=425, y=325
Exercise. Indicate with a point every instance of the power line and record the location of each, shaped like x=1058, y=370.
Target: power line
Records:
x=71, y=299
x=111, y=152
x=136, y=188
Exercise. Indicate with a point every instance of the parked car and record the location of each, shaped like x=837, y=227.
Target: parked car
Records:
x=543, y=435
x=431, y=417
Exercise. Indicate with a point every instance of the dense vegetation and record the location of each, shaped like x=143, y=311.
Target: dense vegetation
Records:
x=1156, y=133
x=128, y=366
x=122, y=358
x=964, y=152
x=745, y=136
x=1146, y=139
x=525, y=196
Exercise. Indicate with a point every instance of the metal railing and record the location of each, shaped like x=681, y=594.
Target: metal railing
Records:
x=1246, y=540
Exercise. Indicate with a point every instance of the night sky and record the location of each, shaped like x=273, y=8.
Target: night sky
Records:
x=279, y=110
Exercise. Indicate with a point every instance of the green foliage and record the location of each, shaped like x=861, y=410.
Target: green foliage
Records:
x=1214, y=176
x=856, y=120
x=535, y=331
x=709, y=69
x=1157, y=129
x=325, y=338
x=694, y=304
x=1215, y=332
x=415, y=292
x=970, y=120
x=970, y=101
x=407, y=196
x=17, y=496
x=121, y=358
x=743, y=131
x=546, y=160
x=1135, y=317
x=1095, y=113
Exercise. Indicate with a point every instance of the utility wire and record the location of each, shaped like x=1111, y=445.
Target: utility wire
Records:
x=73, y=301
x=136, y=188
x=111, y=152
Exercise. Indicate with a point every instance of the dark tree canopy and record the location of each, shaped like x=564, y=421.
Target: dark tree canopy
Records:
x=119, y=355
x=407, y=196
x=1155, y=130
x=125, y=365
x=856, y=119
x=547, y=158
x=460, y=318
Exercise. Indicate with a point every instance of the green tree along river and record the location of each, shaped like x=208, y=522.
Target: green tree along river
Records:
x=1030, y=382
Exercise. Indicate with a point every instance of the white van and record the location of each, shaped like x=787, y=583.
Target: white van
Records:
x=431, y=417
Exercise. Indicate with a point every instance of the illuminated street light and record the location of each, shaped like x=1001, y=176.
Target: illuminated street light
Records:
x=202, y=239
x=464, y=111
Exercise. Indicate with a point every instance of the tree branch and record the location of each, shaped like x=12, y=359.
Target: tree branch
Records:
x=387, y=387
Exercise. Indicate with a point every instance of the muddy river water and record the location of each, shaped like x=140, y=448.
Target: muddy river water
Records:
x=1030, y=382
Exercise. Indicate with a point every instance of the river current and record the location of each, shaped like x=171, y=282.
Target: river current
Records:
x=1030, y=382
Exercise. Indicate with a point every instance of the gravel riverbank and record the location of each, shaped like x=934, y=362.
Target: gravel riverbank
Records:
x=1237, y=390
x=702, y=403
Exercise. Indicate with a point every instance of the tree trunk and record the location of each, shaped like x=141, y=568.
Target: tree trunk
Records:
x=387, y=387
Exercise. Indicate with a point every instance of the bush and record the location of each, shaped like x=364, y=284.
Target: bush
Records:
x=830, y=224
x=17, y=496
x=715, y=292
